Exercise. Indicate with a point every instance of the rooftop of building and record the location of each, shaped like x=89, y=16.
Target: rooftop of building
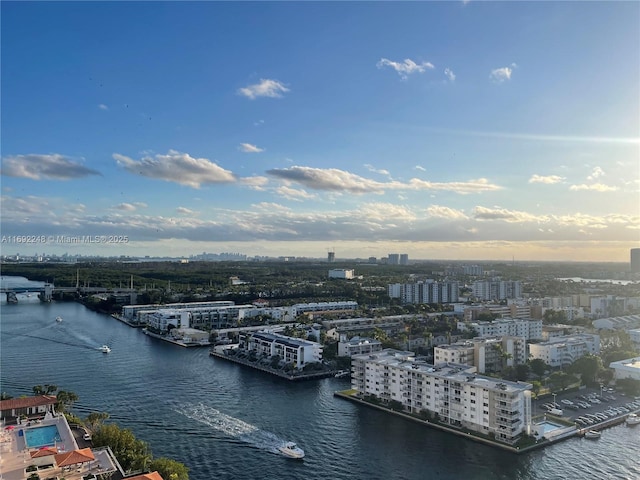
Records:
x=283, y=339
x=633, y=363
x=572, y=338
x=363, y=340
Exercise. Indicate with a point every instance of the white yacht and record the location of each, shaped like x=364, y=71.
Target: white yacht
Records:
x=105, y=349
x=632, y=419
x=290, y=449
x=592, y=434
x=58, y=319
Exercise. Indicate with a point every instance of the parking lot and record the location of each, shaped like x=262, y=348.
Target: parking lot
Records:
x=589, y=406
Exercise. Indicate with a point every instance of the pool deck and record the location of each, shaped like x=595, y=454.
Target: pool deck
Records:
x=15, y=457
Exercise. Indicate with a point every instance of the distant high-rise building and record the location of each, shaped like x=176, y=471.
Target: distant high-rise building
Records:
x=394, y=259
x=635, y=260
x=331, y=257
x=404, y=259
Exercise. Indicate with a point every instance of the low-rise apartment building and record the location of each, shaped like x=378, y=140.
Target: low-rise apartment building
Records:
x=629, y=368
x=357, y=346
x=453, y=393
x=560, y=351
x=296, y=351
x=528, y=328
x=488, y=354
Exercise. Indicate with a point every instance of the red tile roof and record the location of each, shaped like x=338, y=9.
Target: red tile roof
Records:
x=73, y=457
x=43, y=452
x=147, y=476
x=26, y=402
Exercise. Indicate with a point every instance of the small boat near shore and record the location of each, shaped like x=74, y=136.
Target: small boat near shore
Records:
x=632, y=419
x=342, y=373
x=105, y=349
x=291, y=450
x=592, y=434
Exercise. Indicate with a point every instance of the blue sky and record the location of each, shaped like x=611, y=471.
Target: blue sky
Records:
x=451, y=130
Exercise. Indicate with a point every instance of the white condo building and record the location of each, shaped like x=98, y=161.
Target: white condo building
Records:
x=428, y=291
x=357, y=346
x=529, y=328
x=454, y=392
x=341, y=273
x=560, y=351
x=488, y=355
x=131, y=313
x=292, y=350
x=629, y=368
x=496, y=289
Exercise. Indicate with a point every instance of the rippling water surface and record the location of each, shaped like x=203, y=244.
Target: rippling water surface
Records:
x=225, y=421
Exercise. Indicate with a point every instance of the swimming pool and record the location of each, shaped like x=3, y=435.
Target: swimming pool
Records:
x=548, y=426
x=42, y=436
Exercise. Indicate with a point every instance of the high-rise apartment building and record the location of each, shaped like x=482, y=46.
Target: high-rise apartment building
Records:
x=428, y=291
x=496, y=289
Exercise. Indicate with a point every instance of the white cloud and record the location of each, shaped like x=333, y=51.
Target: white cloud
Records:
x=249, y=148
x=266, y=88
x=511, y=216
x=185, y=211
x=472, y=186
x=44, y=167
x=597, y=172
x=177, y=167
x=102, y=106
x=548, y=179
x=449, y=74
x=406, y=68
x=333, y=179
x=255, y=183
x=381, y=171
x=499, y=75
x=594, y=187
x=439, y=211
x=293, y=193
x=130, y=207
x=420, y=167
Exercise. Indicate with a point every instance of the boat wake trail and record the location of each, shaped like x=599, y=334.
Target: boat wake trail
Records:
x=233, y=427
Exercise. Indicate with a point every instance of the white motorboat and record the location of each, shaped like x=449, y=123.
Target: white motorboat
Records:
x=58, y=319
x=342, y=373
x=632, y=419
x=291, y=450
x=592, y=434
x=105, y=349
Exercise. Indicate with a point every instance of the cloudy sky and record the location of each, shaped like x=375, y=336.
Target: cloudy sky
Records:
x=454, y=130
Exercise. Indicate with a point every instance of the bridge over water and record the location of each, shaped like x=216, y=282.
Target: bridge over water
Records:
x=46, y=292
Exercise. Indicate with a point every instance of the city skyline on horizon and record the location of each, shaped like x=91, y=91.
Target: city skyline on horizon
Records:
x=461, y=131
